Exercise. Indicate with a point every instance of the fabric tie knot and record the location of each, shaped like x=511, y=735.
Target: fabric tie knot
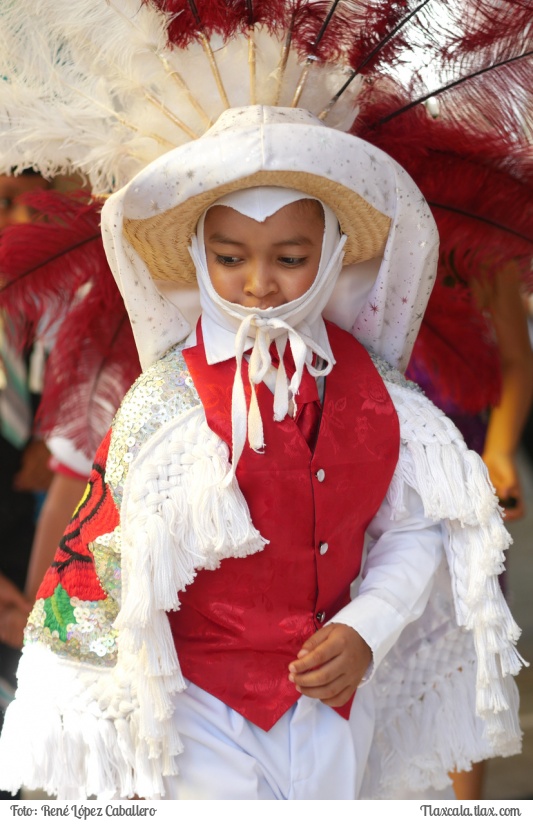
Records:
x=268, y=332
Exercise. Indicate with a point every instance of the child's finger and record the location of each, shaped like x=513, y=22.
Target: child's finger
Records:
x=316, y=639
x=334, y=694
x=320, y=653
x=320, y=676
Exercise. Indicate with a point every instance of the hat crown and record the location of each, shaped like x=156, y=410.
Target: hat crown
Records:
x=241, y=117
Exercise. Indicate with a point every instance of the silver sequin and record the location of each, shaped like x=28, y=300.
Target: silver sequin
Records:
x=161, y=393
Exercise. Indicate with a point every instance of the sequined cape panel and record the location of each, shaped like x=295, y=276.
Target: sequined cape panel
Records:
x=165, y=391
x=79, y=598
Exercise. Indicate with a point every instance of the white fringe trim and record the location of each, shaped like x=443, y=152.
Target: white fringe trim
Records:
x=453, y=484
x=177, y=517
x=75, y=734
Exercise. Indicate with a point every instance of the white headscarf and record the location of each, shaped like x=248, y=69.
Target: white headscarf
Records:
x=382, y=308
x=230, y=329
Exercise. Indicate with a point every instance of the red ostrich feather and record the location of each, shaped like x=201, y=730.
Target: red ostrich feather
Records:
x=490, y=26
x=320, y=29
x=92, y=365
x=55, y=275
x=363, y=33
x=190, y=18
x=455, y=358
x=479, y=184
x=44, y=263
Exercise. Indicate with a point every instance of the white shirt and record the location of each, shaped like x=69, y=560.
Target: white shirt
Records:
x=402, y=558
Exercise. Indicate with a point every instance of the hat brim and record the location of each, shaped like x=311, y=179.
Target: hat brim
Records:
x=380, y=210
x=163, y=240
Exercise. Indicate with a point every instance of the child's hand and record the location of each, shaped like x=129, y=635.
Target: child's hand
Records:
x=504, y=477
x=331, y=664
x=12, y=624
x=14, y=611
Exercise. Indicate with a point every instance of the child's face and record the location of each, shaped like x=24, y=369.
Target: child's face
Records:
x=263, y=265
x=12, y=211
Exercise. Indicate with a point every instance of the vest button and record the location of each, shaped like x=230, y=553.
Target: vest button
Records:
x=323, y=547
x=320, y=475
x=321, y=617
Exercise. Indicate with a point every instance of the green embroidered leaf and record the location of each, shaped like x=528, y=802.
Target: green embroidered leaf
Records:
x=59, y=612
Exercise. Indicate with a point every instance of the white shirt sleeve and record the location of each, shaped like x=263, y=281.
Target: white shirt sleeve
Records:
x=403, y=556
x=66, y=453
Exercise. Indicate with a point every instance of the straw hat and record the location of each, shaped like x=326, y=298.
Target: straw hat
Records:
x=253, y=146
x=147, y=226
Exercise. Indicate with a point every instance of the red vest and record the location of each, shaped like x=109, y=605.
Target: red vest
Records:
x=240, y=626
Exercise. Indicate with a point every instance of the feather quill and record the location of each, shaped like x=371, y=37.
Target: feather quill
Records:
x=467, y=78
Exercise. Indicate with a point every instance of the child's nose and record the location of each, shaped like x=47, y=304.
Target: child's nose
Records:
x=259, y=280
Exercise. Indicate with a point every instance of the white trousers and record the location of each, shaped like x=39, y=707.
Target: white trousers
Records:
x=311, y=752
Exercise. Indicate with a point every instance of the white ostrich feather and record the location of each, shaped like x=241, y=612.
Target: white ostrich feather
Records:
x=91, y=86
x=70, y=85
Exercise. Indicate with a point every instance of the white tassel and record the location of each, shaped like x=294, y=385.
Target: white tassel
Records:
x=454, y=487
x=176, y=517
x=61, y=738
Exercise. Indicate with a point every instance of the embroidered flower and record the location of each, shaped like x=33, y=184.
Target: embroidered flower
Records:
x=361, y=429
x=73, y=568
x=332, y=424
x=376, y=398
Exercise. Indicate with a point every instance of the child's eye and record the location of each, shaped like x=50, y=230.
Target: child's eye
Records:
x=228, y=260
x=292, y=261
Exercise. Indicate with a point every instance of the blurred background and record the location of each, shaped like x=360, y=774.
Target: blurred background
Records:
x=512, y=778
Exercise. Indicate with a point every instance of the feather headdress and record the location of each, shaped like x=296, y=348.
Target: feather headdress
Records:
x=103, y=87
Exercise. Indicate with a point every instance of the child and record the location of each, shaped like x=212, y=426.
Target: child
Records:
x=195, y=636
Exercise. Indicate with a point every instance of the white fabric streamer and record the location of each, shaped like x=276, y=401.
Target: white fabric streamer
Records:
x=230, y=330
x=384, y=316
